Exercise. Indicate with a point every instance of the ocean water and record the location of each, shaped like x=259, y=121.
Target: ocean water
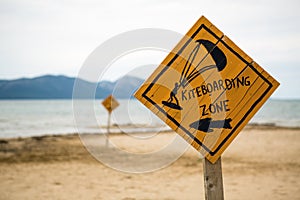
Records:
x=24, y=118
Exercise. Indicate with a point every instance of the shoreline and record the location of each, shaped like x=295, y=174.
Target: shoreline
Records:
x=115, y=130
x=10, y=148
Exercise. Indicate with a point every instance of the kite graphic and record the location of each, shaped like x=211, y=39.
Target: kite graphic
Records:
x=188, y=73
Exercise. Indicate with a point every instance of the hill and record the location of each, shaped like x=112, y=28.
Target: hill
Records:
x=61, y=87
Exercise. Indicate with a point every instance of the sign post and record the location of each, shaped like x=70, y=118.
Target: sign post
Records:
x=108, y=129
x=207, y=89
x=213, y=181
x=110, y=103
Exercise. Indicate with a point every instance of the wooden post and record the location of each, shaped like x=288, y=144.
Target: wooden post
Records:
x=108, y=130
x=213, y=181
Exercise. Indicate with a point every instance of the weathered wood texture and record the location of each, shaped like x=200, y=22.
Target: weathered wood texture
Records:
x=207, y=89
x=213, y=181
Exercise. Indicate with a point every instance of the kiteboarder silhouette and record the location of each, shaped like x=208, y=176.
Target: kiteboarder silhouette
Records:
x=188, y=74
x=173, y=94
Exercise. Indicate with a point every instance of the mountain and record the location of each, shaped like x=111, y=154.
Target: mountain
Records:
x=61, y=87
x=125, y=86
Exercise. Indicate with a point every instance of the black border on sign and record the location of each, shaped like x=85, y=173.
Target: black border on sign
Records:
x=212, y=153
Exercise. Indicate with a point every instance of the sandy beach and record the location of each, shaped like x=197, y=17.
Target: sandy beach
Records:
x=261, y=163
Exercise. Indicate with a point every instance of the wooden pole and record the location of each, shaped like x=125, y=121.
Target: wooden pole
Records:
x=213, y=181
x=108, y=130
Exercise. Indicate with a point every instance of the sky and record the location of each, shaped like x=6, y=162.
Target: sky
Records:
x=56, y=36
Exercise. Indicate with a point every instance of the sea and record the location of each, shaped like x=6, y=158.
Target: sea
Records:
x=26, y=118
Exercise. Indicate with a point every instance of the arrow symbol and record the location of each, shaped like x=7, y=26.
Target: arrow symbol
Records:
x=207, y=124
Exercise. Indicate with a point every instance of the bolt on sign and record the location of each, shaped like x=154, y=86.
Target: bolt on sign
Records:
x=110, y=103
x=207, y=89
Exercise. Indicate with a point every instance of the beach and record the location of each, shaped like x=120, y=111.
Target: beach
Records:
x=261, y=163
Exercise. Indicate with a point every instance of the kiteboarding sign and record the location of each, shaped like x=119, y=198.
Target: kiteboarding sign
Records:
x=207, y=89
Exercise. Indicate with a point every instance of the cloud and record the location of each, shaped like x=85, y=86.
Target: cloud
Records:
x=55, y=36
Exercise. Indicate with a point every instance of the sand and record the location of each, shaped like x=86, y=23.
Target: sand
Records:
x=261, y=163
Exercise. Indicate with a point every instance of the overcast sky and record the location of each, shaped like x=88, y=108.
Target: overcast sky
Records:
x=56, y=36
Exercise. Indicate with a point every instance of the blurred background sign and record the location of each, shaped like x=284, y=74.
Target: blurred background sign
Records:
x=110, y=103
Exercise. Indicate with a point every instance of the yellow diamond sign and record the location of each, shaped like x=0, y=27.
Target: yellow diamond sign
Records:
x=207, y=89
x=110, y=103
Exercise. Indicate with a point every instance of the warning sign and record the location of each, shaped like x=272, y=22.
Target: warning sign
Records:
x=110, y=103
x=207, y=89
